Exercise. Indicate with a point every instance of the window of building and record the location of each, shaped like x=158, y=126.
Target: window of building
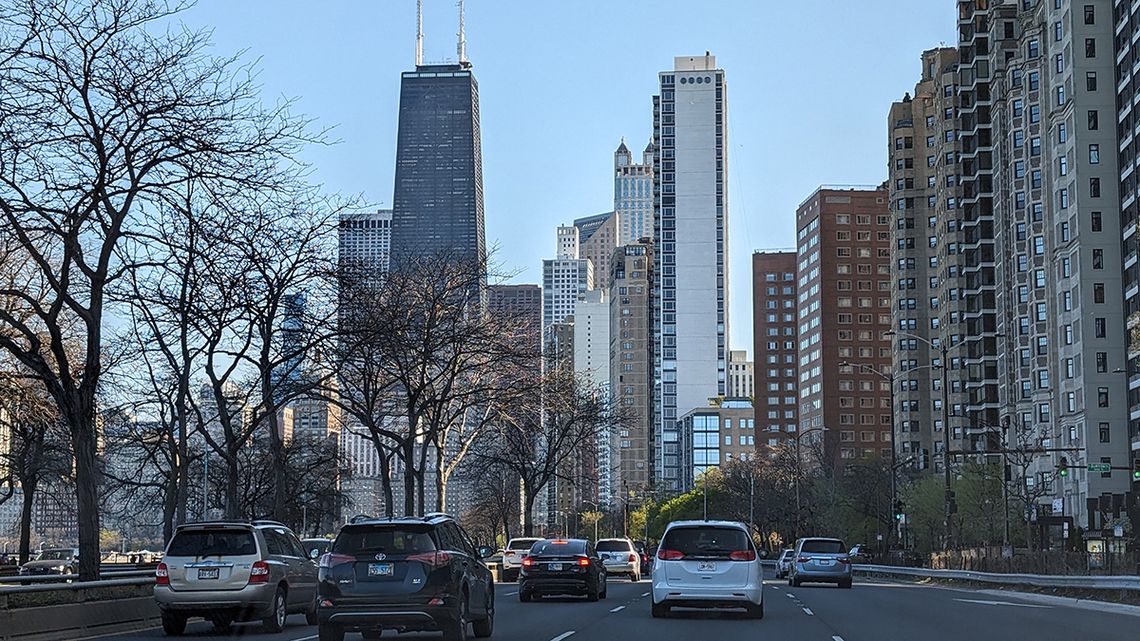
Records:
x=1095, y=220
x=1099, y=326
x=1098, y=292
x=1102, y=397
x=1102, y=362
x=1090, y=81
x=1090, y=47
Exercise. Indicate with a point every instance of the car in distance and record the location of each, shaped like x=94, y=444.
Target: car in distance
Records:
x=61, y=561
x=707, y=564
x=860, y=554
x=408, y=574
x=784, y=563
x=315, y=547
x=646, y=556
x=620, y=557
x=562, y=566
x=513, y=555
x=820, y=560
x=228, y=571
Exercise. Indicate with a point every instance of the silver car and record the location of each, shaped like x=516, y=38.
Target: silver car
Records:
x=784, y=563
x=820, y=560
x=230, y=571
x=707, y=564
x=513, y=556
x=620, y=557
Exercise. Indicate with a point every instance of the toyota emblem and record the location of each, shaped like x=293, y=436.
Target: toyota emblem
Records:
x=381, y=556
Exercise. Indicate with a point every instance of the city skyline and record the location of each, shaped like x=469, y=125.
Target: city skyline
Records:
x=510, y=48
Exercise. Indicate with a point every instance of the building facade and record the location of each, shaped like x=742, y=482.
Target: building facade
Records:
x=564, y=280
x=844, y=309
x=690, y=231
x=631, y=367
x=365, y=239
x=740, y=375
x=522, y=303
x=437, y=202
x=597, y=244
x=633, y=194
x=714, y=435
x=774, y=324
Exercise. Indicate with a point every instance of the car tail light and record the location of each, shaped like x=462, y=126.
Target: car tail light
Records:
x=803, y=559
x=259, y=573
x=330, y=560
x=161, y=575
x=843, y=559
x=433, y=560
x=670, y=555
x=527, y=562
x=436, y=601
x=633, y=558
x=583, y=561
x=743, y=555
x=325, y=603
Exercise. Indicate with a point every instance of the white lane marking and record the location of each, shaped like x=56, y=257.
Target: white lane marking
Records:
x=645, y=595
x=1016, y=605
x=618, y=609
x=789, y=595
x=774, y=587
x=308, y=638
x=836, y=638
x=564, y=635
x=515, y=593
x=808, y=612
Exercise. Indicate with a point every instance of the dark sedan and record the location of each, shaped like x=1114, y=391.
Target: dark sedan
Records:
x=63, y=561
x=562, y=566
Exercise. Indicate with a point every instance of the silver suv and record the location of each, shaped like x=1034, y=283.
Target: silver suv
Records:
x=230, y=571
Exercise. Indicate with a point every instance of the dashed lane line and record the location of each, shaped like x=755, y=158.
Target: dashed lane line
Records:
x=564, y=635
x=789, y=595
x=837, y=638
x=618, y=609
x=515, y=593
x=645, y=595
x=808, y=612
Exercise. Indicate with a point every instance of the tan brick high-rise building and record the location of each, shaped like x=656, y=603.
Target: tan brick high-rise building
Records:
x=631, y=366
x=844, y=308
x=775, y=371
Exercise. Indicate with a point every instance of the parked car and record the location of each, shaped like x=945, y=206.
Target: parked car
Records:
x=646, y=556
x=63, y=561
x=784, y=563
x=820, y=560
x=707, y=564
x=314, y=548
x=230, y=571
x=860, y=554
x=407, y=574
x=620, y=557
x=562, y=566
x=513, y=556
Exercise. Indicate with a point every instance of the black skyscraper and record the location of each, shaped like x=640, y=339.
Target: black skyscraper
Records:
x=438, y=199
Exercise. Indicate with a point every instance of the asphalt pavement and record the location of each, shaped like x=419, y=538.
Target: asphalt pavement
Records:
x=873, y=610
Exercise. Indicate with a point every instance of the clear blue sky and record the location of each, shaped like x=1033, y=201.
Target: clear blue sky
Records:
x=561, y=81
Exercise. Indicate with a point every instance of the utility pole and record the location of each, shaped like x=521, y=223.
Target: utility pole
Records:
x=951, y=505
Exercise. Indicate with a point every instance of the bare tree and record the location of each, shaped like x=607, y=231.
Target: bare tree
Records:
x=100, y=116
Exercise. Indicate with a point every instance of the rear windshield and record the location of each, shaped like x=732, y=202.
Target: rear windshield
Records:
x=521, y=544
x=613, y=546
x=231, y=542
x=787, y=553
x=387, y=540
x=707, y=542
x=555, y=549
x=55, y=555
x=823, y=546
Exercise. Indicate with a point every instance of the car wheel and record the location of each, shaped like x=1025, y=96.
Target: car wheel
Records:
x=524, y=596
x=795, y=583
x=605, y=590
x=593, y=592
x=275, y=622
x=484, y=627
x=173, y=624
x=330, y=633
x=456, y=630
x=756, y=611
x=311, y=615
x=636, y=577
x=223, y=623
x=846, y=584
x=660, y=611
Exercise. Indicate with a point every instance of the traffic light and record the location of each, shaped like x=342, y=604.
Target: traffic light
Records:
x=898, y=510
x=1136, y=469
x=1063, y=467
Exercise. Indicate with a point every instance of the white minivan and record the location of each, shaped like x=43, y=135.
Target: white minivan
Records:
x=707, y=564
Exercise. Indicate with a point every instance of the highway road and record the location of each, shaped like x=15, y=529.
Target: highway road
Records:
x=873, y=611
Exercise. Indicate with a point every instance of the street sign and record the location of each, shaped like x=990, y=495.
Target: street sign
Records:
x=1100, y=467
x=1058, y=506
x=1118, y=531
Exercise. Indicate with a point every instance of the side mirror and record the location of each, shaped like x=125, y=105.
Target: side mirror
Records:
x=315, y=554
x=486, y=551
x=763, y=554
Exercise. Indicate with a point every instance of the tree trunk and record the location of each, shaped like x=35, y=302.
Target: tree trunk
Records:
x=421, y=475
x=280, y=471
x=85, y=445
x=233, y=506
x=440, y=482
x=170, y=504
x=28, y=502
x=386, y=481
x=528, y=516
x=409, y=476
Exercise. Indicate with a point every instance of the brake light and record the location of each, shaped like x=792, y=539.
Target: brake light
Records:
x=743, y=555
x=161, y=575
x=433, y=560
x=259, y=573
x=436, y=601
x=633, y=558
x=670, y=555
x=330, y=560
x=527, y=562
x=583, y=561
x=843, y=559
x=803, y=559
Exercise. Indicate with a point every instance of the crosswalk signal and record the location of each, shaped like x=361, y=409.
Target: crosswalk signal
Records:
x=1063, y=467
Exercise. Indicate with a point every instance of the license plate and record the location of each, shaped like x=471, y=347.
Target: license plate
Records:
x=706, y=566
x=555, y=567
x=825, y=561
x=208, y=573
x=379, y=569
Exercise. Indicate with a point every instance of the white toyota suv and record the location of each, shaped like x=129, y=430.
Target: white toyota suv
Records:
x=513, y=556
x=707, y=564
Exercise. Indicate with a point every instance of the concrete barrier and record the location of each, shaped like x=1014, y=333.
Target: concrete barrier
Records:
x=1121, y=583
x=76, y=610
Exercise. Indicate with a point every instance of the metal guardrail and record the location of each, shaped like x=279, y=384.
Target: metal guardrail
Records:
x=76, y=585
x=1130, y=583
x=71, y=578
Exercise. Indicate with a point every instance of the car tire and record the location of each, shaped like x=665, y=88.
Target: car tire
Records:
x=604, y=592
x=223, y=623
x=311, y=615
x=456, y=630
x=756, y=611
x=483, y=628
x=795, y=583
x=275, y=622
x=845, y=584
x=593, y=592
x=174, y=625
x=660, y=611
x=525, y=597
x=635, y=577
x=330, y=633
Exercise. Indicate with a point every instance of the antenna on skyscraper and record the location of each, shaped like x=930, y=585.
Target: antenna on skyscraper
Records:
x=461, y=47
x=419, y=32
